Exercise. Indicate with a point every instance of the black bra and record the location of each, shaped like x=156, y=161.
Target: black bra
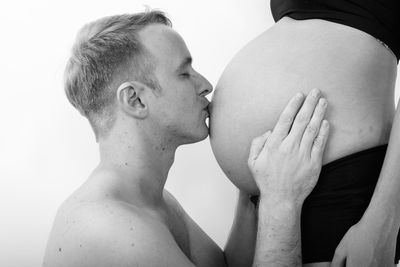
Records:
x=379, y=18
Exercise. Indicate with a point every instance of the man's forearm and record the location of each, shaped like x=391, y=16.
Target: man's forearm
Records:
x=386, y=199
x=278, y=237
x=239, y=249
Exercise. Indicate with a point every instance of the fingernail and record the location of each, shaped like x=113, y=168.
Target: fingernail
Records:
x=315, y=92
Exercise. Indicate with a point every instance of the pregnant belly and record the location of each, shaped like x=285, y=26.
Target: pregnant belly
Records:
x=355, y=73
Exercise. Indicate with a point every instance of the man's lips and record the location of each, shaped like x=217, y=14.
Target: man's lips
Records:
x=206, y=107
x=206, y=103
x=207, y=116
x=207, y=111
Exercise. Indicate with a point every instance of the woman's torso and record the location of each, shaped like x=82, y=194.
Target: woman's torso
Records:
x=353, y=70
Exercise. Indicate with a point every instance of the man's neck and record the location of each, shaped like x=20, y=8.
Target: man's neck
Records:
x=141, y=165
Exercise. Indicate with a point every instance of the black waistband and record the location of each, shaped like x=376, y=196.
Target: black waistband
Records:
x=353, y=171
x=357, y=155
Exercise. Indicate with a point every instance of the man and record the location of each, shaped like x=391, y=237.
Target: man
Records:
x=131, y=76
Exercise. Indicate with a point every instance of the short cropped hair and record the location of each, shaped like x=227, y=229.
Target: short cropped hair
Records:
x=105, y=49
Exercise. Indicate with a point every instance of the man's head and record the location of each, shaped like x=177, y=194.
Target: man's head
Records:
x=136, y=65
x=106, y=52
x=181, y=108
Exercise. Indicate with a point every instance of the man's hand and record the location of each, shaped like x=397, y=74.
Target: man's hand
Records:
x=363, y=245
x=286, y=162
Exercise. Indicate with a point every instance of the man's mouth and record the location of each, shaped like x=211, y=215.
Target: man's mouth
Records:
x=207, y=119
x=207, y=112
x=206, y=108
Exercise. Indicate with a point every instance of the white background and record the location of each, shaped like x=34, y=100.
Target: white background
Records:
x=47, y=149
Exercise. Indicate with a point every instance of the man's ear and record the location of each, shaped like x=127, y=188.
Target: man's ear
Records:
x=131, y=99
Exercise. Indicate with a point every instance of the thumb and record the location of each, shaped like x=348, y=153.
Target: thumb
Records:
x=256, y=146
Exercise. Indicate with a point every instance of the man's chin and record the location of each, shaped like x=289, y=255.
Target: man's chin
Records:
x=206, y=131
x=199, y=137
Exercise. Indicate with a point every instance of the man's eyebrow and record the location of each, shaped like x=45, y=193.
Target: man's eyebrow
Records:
x=185, y=62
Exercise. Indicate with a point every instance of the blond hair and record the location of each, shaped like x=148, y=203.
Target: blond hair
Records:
x=105, y=49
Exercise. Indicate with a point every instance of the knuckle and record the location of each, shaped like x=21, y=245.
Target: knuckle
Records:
x=297, y=100
x=271, y=145
x=319, y=112
x=322, y=105
x=294, y=104
x=287, y=147
x=314, y=172
x=314, y=97
x=315, y=169
x=318, y=141
x=311, y=101
x=286, y=119
x=314, y=94
x=311, y=129
x=274, y=148
x=302, y=119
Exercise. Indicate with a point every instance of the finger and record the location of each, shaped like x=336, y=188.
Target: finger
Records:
x=339, y=259
x=303, y=117
x=286, y=118
x=313, y=126
x=256, y=146
x=319, y=143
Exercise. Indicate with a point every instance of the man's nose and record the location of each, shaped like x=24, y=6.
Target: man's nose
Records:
x=205, y=86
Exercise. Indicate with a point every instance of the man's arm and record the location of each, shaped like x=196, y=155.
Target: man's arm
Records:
x=204, y=251
x=380, y=223
x=285, y=165
x=278, y=224
x=239, y=249
x=278, y=237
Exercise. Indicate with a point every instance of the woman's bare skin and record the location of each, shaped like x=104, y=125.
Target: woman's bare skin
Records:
x=355, y=72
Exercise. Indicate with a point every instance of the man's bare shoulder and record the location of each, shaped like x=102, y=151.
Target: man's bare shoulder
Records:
x=109, y=232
